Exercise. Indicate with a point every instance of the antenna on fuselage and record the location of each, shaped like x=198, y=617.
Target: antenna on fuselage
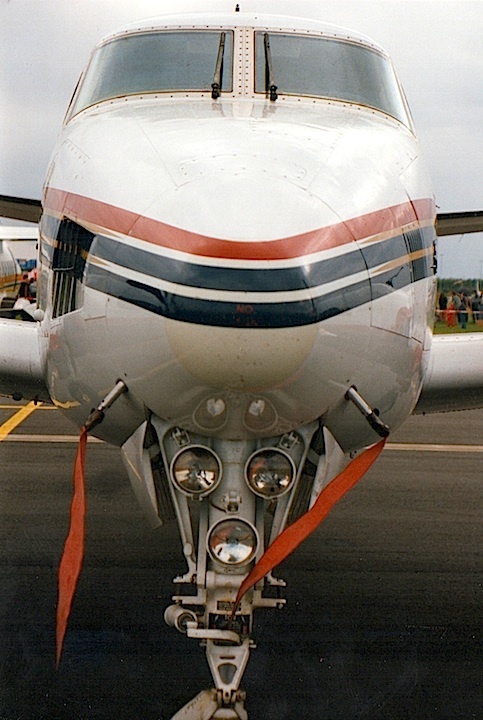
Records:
x=237, y=7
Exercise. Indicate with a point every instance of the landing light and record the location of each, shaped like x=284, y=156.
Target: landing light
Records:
x=270, y=472
x=232, y=542
x=196, y=470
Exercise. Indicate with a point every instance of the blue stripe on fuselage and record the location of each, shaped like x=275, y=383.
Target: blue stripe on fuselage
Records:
x=266, y=279
x=384, y=265
x=228, y=314
x=222, y=278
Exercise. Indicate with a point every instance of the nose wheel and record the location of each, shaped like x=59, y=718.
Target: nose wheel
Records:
x=208, y=705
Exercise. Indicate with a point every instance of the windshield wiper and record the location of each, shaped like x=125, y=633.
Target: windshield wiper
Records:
x=216, y=84
x=269, y=77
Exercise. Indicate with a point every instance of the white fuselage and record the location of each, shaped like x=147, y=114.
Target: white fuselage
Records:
x=244, y=263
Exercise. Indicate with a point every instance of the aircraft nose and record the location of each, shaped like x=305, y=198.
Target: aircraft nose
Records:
x=237, y=221
x=242, y=198
x=246, y=264
x=253, y=266
x=240, y=360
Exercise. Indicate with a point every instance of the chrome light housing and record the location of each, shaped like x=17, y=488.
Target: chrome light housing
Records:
x=270, y=472
x=196, y=470
x=232, y=542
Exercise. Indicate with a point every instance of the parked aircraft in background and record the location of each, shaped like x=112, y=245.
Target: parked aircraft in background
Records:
x=237, y=268
x=10, y=271
x=13, y=269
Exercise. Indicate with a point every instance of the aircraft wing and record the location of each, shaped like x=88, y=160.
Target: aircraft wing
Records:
x=455, y=223
x=21, y=371
x=458, y=223
x=455, y=377
x=18, y=208
x=454, y=380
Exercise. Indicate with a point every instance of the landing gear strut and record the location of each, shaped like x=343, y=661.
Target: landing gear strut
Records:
x=233, y=499
x=221, y=492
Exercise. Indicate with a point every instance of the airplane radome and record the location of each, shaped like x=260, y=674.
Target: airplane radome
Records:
x=237, y=269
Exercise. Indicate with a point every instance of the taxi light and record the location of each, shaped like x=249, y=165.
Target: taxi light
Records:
x=211, y=414
x=196, y=470
x=270, y=472
x=233, y=542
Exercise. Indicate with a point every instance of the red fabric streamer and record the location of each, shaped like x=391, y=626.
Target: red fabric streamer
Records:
x=71, y=561
x=299, y=531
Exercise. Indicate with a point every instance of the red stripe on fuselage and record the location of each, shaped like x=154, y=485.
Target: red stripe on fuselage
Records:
x=82, y=209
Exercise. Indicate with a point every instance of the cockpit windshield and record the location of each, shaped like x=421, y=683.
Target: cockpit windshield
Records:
x=326, y=68
x=158, y=62
x=163, y=61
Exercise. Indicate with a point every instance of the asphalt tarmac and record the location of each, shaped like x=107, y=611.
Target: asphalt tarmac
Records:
x=384, y=614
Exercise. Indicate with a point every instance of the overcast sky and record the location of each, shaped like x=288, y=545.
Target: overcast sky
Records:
x=435, y=45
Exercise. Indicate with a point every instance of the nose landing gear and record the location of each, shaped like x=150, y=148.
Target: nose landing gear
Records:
x=242, y=506
x=231, y=499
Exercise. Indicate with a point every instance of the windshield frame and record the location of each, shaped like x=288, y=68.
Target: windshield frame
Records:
x=84, y=98
x=241, y=69
x=399, y=110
